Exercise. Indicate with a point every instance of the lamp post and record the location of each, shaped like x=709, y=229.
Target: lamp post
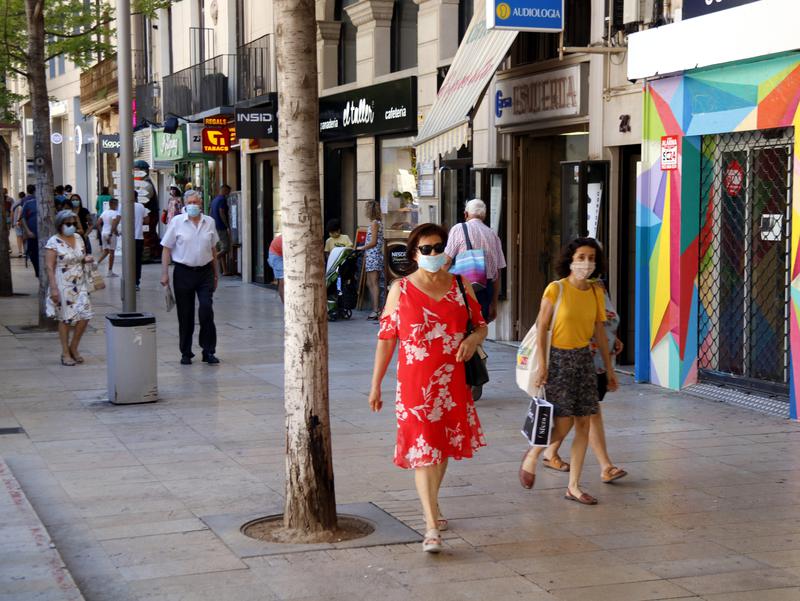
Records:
x=125, y=83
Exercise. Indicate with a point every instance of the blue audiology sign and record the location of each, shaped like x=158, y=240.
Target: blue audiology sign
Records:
x=525, y=15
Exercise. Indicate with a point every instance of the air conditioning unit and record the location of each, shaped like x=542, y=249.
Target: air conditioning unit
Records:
x=638, y=11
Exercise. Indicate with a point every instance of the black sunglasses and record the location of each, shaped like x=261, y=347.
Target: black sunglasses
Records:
x=426, y=249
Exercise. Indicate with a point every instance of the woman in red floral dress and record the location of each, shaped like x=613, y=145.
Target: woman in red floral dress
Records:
x=436, y=418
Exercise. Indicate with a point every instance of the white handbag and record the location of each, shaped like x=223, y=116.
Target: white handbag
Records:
x=527, y=355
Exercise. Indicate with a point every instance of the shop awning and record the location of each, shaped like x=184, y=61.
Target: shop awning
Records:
x=446, y=126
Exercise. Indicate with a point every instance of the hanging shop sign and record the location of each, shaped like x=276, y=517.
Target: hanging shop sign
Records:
x=194, y=138
x=698, y=8
x=109, y=143
x=669, y=153
x=216, y=140
x=525, y=15
x=216, y=121
x=56, y=138
x=168, y=147
x=549, y=95
x=257, y=122
x=375, y=110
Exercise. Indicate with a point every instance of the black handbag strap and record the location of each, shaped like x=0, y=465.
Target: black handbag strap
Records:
x=470, y=327
x=466, y=236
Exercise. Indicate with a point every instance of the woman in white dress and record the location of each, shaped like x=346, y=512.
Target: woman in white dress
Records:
x=68, y=295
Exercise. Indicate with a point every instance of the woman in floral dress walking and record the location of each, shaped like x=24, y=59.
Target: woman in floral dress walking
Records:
x=436, y=418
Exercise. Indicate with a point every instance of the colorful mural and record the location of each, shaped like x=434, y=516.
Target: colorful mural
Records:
x=755, y=95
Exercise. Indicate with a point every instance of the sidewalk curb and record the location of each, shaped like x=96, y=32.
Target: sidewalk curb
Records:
x=31, y=539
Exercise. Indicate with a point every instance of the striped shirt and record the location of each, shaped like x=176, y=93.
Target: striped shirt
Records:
x=481, y=236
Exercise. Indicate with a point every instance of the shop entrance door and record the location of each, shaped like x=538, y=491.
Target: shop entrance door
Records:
x=340, y=186
x=261, y=218
x=746, y=184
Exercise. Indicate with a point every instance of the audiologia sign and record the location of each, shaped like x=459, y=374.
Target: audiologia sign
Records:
x=375, y=110
x=525, y=15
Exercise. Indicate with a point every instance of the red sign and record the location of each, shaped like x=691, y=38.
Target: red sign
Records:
x=216, y=141
x=669, y=153
x=734, y=178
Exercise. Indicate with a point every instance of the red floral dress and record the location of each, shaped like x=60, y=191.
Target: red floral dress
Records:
x=436, y=416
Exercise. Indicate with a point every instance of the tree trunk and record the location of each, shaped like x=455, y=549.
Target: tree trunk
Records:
x=6, y=287
x=310, y=499
x=42, y=157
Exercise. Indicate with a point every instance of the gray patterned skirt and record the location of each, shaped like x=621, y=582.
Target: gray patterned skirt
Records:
x=572, y=382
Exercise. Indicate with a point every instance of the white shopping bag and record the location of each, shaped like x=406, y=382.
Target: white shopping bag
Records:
x=528, y=356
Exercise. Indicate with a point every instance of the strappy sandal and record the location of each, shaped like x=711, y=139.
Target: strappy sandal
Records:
x=68, y=362
x=76, y=357
x=584, y=499
x=608, y=477
x=432, y=542
x=555, y=464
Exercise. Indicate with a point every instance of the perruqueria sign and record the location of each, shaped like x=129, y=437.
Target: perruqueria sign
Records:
x=553, y=94
x=525, y=15
x=375, y=110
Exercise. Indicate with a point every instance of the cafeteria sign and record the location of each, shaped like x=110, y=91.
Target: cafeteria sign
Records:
x=525, y=15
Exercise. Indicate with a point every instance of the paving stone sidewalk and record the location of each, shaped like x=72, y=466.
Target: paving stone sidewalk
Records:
x=709, y=510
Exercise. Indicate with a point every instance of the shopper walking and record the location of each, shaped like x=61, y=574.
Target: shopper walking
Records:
x=190, y=242
x=84, y=216
x=222, y=220
x=570, y=379
x=16, y=215
x=68, y=298
x=436, y=417
x=481, y=237
x=102, y=198
x=597, y=435
x=108, y=223
x=141, y=216
x=373, y=256
x=175, y=203
x=29, y=222
x=275, y=261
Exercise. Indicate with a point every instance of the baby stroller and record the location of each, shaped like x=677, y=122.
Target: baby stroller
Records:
x=340, y=278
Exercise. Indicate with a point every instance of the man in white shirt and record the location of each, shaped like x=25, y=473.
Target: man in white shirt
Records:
x=140, y=214
x=109, y=224
x=190, y=242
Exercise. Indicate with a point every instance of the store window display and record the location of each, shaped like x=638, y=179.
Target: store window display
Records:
x=398, y=184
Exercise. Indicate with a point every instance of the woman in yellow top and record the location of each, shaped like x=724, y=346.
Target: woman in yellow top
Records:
x=570, y=379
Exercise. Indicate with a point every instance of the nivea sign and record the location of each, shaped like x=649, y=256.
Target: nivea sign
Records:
x=525, y=15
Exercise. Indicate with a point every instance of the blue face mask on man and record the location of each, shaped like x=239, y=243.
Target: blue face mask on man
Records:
x=193, y=210
x=431, y=263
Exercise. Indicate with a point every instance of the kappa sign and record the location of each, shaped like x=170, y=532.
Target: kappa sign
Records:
x=216, y=141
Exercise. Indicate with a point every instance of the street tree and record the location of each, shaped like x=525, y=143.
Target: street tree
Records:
x=310, y=508
x=35, y=32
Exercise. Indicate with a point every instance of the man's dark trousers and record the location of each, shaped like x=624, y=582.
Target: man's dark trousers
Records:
x=32, y=249
x=188, y=282
x=139, y=252
x=484, y=297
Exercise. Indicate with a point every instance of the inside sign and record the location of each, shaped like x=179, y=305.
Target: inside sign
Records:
x=669, y=153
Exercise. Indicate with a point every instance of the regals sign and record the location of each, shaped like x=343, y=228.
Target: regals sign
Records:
x=525, y=15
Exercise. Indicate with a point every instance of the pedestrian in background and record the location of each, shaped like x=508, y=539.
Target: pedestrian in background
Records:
x=481, y=237
x=68, y=298
x=60, y=199
x=174, y=204
x=190, y=242
x=373, y=255
x=29, y=222
x=102, y=199
x=222, y=221
x=84, y=216
x=141, y=216
x=275, y=261
x=16, y=215
x=436, y=417
x=108, y=224
x=570, y=377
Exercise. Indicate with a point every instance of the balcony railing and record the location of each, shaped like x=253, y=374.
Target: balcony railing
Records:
x=254, y=72
x=99, y=83
x=201, y=87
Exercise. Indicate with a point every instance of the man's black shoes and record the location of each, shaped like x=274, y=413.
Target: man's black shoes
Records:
x=210, y=359
x=186, y=360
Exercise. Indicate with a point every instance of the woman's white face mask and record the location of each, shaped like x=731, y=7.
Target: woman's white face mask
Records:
x=582, y=269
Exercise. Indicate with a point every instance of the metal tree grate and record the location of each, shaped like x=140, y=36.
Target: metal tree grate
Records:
x=743, y=281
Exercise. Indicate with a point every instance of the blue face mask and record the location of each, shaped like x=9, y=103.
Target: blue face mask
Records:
x=432, y=263
x=76, y=203
x=192, y=210
x=69, y=230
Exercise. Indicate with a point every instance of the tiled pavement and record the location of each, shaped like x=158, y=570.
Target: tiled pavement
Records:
x=709, y=511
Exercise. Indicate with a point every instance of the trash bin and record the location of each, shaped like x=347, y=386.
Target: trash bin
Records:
x=131, y=358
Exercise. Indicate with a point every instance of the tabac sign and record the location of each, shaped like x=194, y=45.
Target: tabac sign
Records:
x=525, y=15
x=561, y=93
x=216, y=140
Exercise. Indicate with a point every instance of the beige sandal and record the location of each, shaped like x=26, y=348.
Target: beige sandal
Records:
x=432, y=542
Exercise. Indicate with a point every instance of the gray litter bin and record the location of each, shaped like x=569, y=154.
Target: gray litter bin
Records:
x=131, y=358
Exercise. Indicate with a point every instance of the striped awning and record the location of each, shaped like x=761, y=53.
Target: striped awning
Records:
x=446, y=126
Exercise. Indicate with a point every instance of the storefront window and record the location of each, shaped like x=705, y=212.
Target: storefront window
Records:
x=347, y=43
x=404, y=35
x=398, y=183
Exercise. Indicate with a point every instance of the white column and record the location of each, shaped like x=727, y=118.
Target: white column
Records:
x=373, y=20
